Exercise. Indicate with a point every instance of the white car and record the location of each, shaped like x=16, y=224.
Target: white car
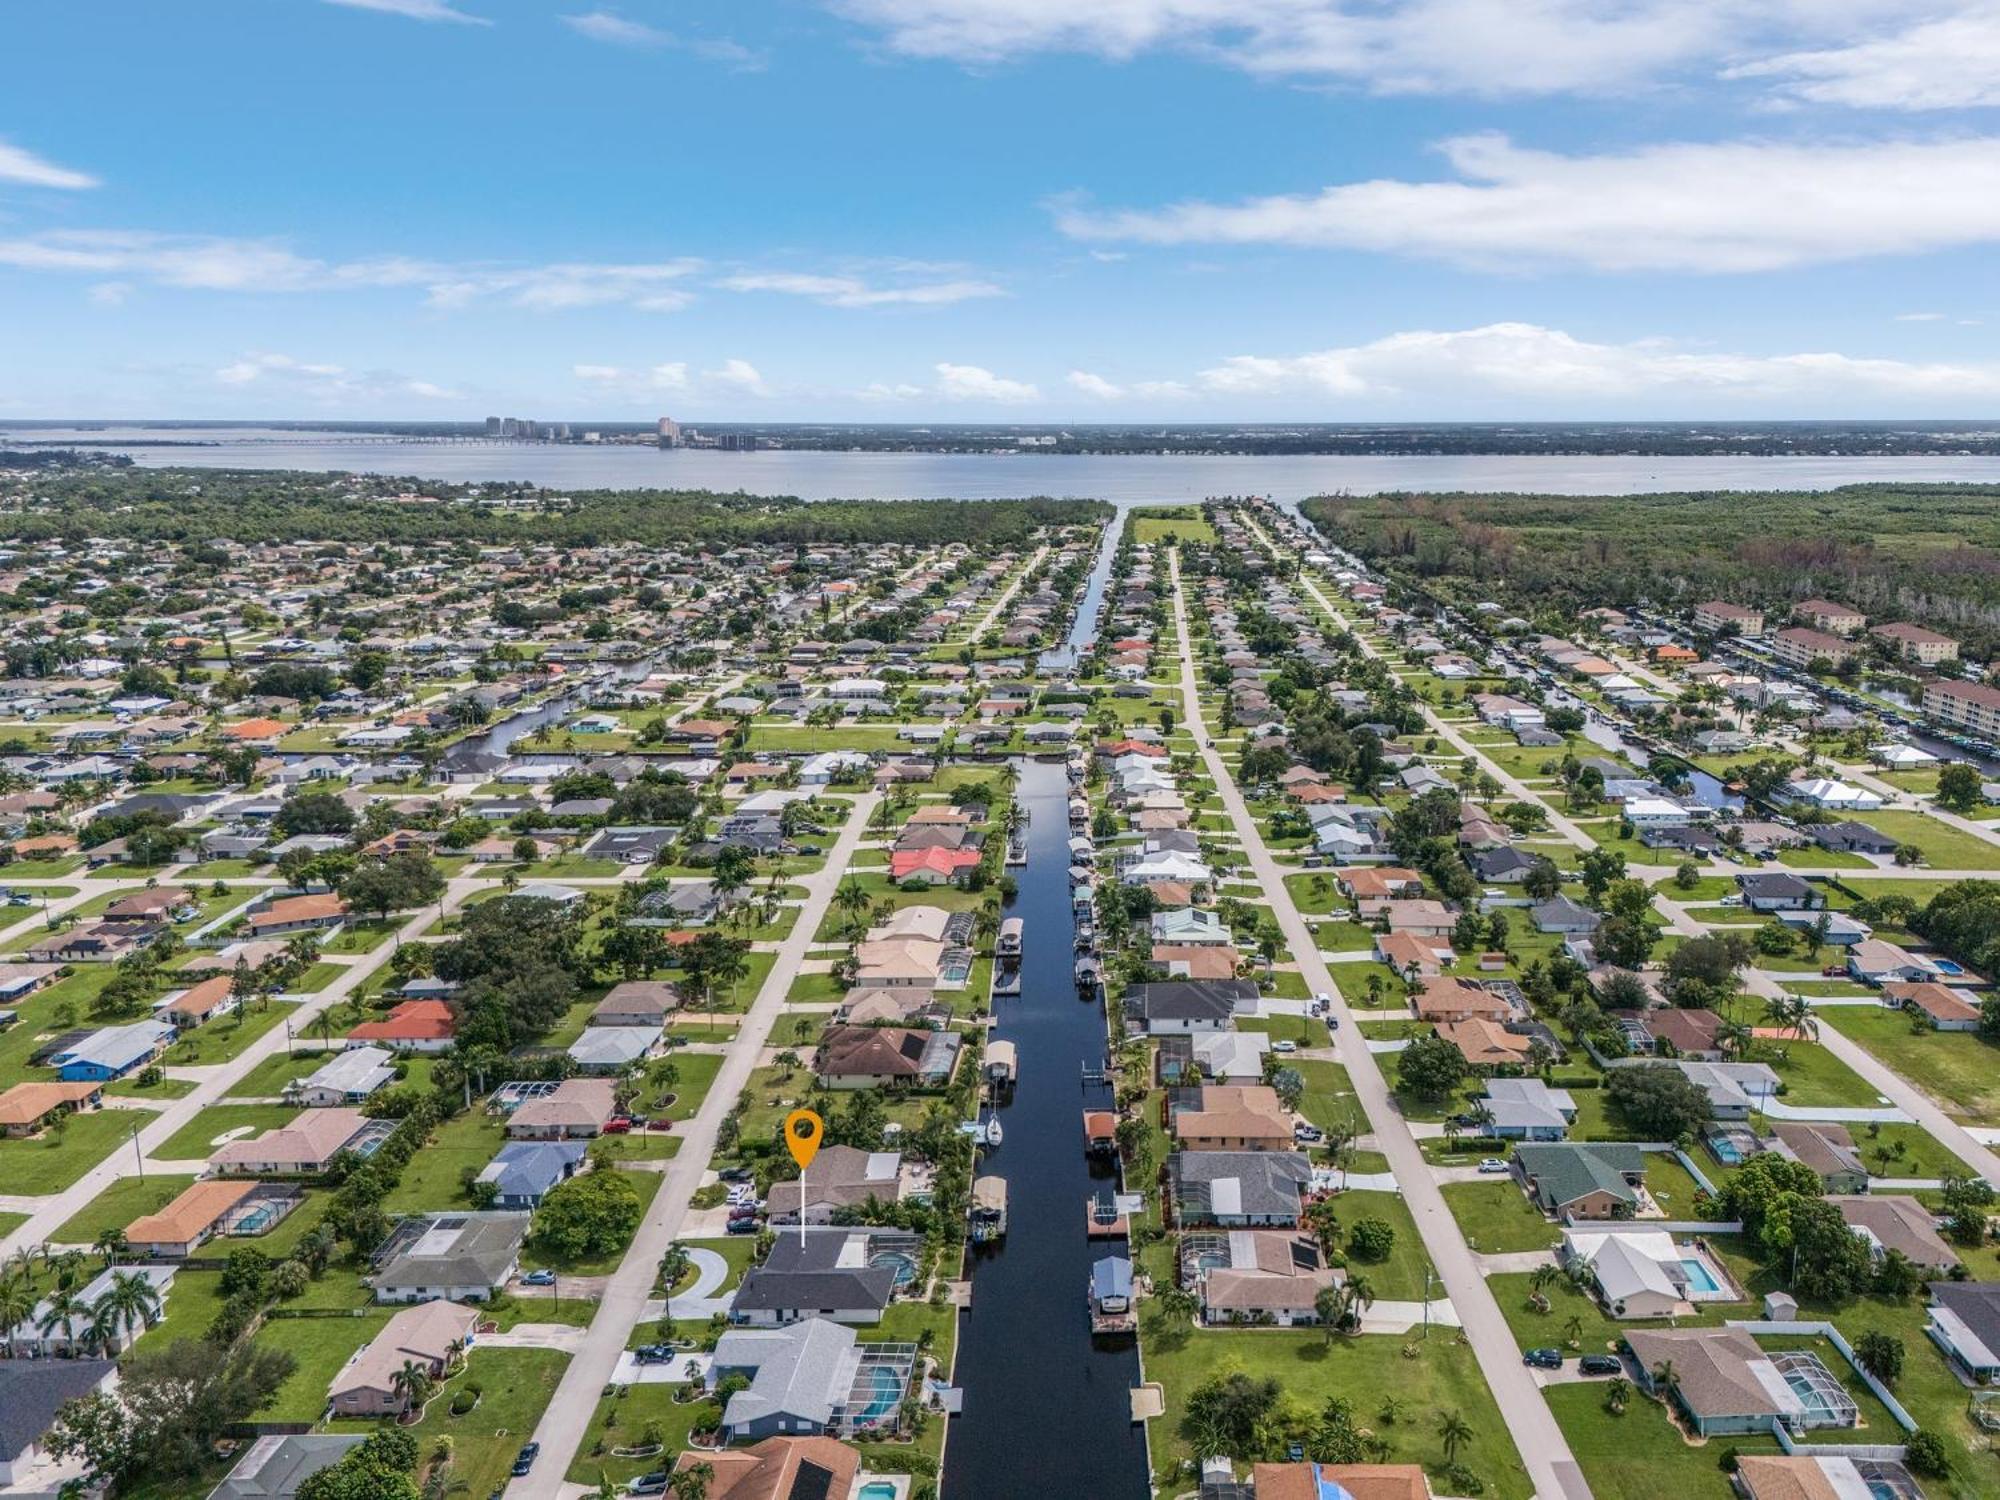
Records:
x=1284, y=1044
x=1492, y=1164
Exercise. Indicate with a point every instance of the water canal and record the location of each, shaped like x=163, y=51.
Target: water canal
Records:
x=1047, y=1408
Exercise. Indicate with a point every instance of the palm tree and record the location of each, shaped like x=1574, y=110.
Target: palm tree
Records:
x=1453, y=1431
x=851, y=896
x=65, y=1311
x=1546, y=1275
x=17, y=1305
x=1616, y=1393
x=1666, y=1380
x=111, y=1244
x=1360, y=1297
x=691, y=1483
x=413, y=1383
x=127, y=1308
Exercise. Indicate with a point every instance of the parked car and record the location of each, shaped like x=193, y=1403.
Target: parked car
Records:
x=539, y=1278
x=734, y=1174
x=653, y=1354
x=1284, y=1044
x=1309, y=1134
x=654, y=1483
x=1544, y=1359
x=1599, y=1364
x=525, y=1459
x=741, y=1226
x=1492, y=1164
x=618, y=1125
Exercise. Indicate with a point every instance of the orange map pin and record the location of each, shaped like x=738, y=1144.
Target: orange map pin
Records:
x=803, y=1132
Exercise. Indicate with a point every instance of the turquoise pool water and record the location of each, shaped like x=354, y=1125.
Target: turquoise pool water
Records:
x=876, y=1490
x=1699, y=1277
x=885, y=1394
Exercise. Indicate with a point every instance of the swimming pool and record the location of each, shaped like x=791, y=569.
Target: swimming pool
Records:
x=1946, y=966
x=881, y=1489
x=904, y=1266
x=1699, y=1277
x=885, y=1393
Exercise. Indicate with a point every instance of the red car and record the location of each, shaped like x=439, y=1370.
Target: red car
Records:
x=617, y=1125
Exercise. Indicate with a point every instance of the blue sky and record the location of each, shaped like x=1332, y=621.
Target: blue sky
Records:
x=907, y=210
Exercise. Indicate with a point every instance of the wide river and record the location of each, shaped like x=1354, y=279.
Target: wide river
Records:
x=979, y=476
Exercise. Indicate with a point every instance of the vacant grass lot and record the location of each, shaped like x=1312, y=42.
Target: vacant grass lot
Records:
x=1497, y=1217
x=1955, y=1067
x=1442, y=1376
x=51, y=1161
x=1641, y=1455
x=201, y=1135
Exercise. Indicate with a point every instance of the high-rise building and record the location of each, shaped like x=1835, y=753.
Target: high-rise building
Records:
x=493, y=427
x=670, y=433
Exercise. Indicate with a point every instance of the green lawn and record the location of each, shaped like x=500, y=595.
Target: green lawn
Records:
x=1496, y=1216
x=322, y=1346
x=51, y=1161
x=1400, y=1277
x=1442, y=1376
x=1945, y=847
x=224, y=1039
x=1642, y=1455
x=1813, y=1075
x=432, y=1180
x=1329, y=1097
x=118, y=1205
x=1955, y=1067
x=516, y=1385
x=201, y=1135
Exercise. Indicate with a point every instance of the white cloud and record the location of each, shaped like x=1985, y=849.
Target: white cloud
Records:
x=658, y=378
x=18, y=164
x=739, y=375
x=971, y=383
x=325, y=382
x=885, y=391
x=1094, y=385
x=214, y=263
x=1722, y=207
x=415, y=10
x=1480, y=47
x=851, y=291
x=615, y=30
x=1941, y=62
x=1547, y=369
x=110, y=293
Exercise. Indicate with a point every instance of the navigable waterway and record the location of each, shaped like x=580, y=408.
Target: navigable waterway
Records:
x=1125, y=480
x=1047, y=1407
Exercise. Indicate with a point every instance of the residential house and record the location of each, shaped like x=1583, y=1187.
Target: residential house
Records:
x=638, y=1002
x=1526, y=1109
x=1232, y=1117
x=801, y=1379
x=1237, y=1189
x=1965, y=1324
x=347, y=1077
x=1896, y=1221
x=112, y=1052
x=1726, y=1384
x=848, y=1274
x=191, y=1220
x=779, y=1468
x=430, y=1335
x=842, y=1177
x=855, y=1057
x=413, y=1026
x=457, y=1257
x=1825, y=1147
x=1573, y=1180
x=304, y=1148
x=575, y=1109
x=1185, y=1006
x=277, y=1466
x=27, y=1107
x=523, y=1172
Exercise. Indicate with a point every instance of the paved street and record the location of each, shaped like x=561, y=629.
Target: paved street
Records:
x=1543, y=1448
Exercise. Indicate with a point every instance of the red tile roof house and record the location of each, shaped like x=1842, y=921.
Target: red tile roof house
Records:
x=413, y=1026
x=933, y=866
x=297, y=914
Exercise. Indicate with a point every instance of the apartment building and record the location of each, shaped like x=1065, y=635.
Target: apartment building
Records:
x=1913, y=643
x=1799, y=647
x=1719, y=615
x=1969, y=705
x=1824, y=614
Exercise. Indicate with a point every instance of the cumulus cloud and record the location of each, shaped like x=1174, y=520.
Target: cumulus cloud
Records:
x=738, y=375
x=324, y=382
x=615, y=30
x=415, y=10
x=219, y=264
x=1941, y=62
x=18, y=164
x=971, y=383
x=1705, y=207
x=851, y=291
x=1094, y=385
x=1556, y=370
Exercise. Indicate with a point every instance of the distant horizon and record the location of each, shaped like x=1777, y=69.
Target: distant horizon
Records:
x=1130, y=424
